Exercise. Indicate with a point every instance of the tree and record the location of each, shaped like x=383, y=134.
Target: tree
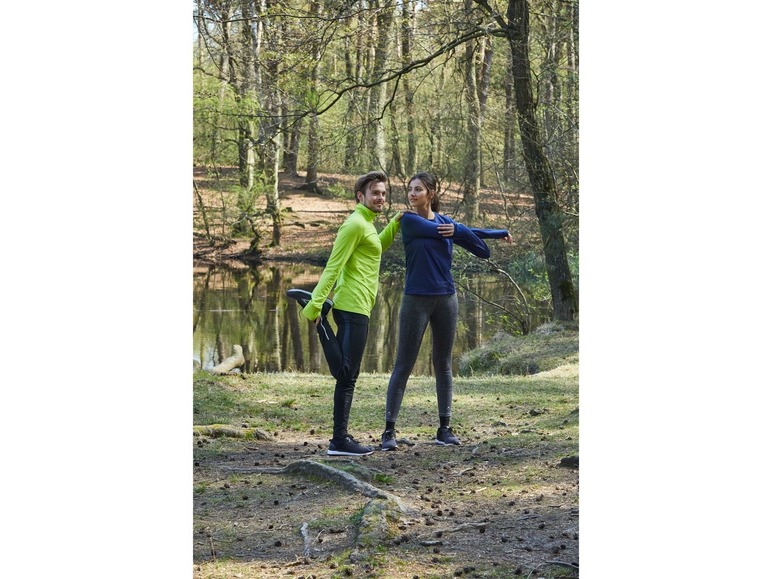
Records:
x=407, y=25
x=353, y=47
x=270, y=126
x=381, y=35
x=478, y=55
x=313, y=120
x=516, y=28
x=473, y=128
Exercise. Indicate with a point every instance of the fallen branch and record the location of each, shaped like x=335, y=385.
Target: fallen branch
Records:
x=466, y=526
x=311, y=469
x=459, y=473
x=306, y=539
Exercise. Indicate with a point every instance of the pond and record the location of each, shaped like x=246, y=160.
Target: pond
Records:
x=249, y=307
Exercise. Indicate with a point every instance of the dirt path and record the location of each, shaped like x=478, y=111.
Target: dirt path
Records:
x=310, y=219
x=461, y=522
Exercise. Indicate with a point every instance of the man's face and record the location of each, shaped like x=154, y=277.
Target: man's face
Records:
x=374, y=197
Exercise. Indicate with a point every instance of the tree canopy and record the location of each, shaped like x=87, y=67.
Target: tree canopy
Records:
x=482, y=93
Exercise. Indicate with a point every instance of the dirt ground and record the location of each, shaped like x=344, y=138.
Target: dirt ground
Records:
x=308, y=230
x=250, y=524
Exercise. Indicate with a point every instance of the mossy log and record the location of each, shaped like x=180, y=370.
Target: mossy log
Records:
x=235, y=361
x=217, y=430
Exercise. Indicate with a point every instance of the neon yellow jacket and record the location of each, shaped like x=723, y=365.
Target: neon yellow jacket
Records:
x=354, y=265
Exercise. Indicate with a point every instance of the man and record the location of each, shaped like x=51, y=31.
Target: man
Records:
x=353, y=268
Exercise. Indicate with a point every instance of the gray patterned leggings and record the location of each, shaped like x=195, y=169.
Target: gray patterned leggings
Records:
x=416, y=312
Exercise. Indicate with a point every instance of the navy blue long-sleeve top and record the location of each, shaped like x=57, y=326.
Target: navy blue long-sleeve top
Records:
x=429, y=255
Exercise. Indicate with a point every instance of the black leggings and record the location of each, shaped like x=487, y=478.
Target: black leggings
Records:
x=415, y=313
x=344, y=353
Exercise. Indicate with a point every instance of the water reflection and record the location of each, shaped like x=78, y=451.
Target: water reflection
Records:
x=248, y=307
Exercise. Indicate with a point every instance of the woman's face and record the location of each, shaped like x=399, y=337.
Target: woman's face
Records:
x=418, y=195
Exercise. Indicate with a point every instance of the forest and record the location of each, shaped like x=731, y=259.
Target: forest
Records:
x=483, y=93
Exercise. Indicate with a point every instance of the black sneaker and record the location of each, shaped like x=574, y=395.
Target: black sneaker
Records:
x=348, y=447
x=445, y=436
x=303, y=297
x=388, y=440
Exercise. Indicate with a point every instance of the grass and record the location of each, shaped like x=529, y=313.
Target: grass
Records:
x=507, y=404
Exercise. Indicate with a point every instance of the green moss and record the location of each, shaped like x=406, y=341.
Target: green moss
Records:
x=548, y=347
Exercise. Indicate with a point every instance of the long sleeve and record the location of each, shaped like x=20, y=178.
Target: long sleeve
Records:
x=469, y=240
x=489, y=233
x=347, y=240
x=389, y=233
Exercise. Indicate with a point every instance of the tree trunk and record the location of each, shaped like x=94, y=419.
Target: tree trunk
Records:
x=435, y=132
x=382, y=31
x=248, y=97
x=291, y=151
x=396, y=167
x=408, y=24
x=572, y=98
x=271, y=123
x=217, y=114
x=242, y=79
x=313, y=154
x=313, y=120
x=353, y=116
x=483, y=83
x=471, y=176
x=273, y=204
x=564, y=299
x=550, y=99
x=509, y=164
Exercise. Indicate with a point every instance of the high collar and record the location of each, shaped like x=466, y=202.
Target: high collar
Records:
x=365, y=212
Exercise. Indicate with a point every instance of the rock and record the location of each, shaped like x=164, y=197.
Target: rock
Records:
x=569, y=462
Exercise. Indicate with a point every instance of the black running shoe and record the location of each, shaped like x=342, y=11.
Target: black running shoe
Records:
x=348, y=447
x=303, y=297
x=388, y=440
x=445, y=436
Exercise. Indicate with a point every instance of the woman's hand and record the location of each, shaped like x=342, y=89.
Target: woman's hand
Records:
x=446, y=229
x=508, y=238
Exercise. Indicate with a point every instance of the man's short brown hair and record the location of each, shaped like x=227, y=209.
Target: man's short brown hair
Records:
x=364, y=181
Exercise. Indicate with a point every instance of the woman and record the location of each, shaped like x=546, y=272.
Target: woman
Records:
x=430, y=299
